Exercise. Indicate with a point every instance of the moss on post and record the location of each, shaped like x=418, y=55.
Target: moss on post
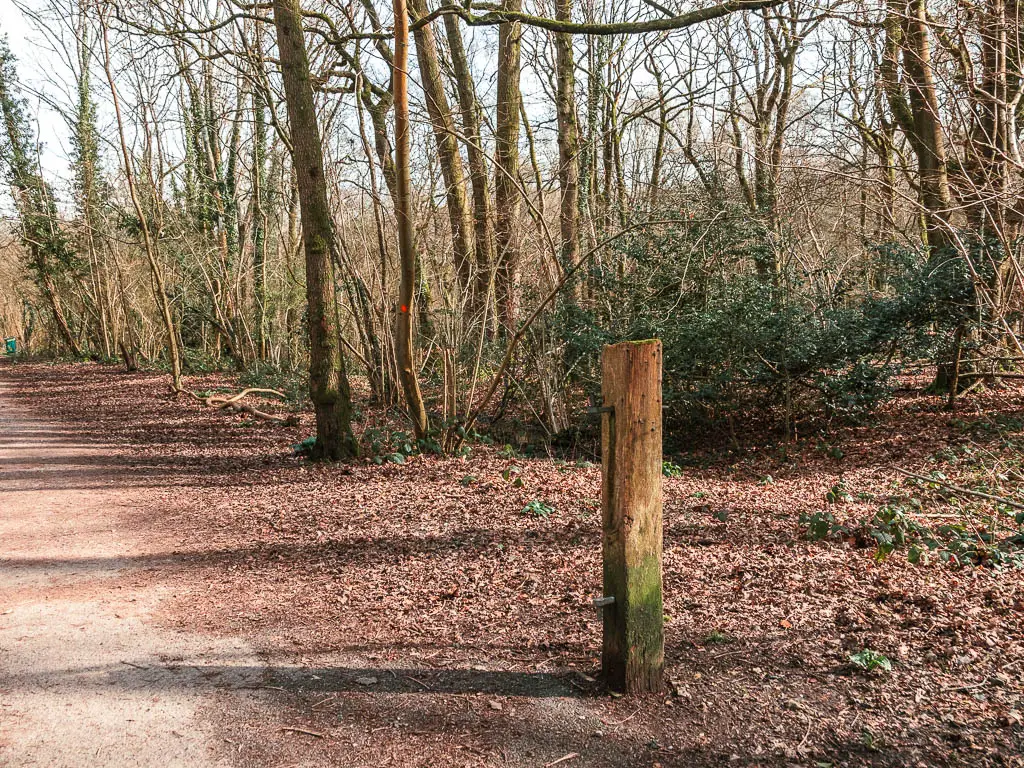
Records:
x=633, y=657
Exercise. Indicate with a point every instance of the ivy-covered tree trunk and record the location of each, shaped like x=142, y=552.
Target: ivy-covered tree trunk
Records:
x=259, y=222
x=87, y=183
x=328, y=382
x=44, y=240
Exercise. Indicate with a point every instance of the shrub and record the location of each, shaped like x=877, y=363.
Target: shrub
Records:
x=735, y=343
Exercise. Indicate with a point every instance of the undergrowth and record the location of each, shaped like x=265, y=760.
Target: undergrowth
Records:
x=894, y=528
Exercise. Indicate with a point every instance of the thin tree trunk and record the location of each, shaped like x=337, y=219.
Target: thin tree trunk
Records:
x=659, y=146
x=148, y=240
x=568, y=138
x=259, y=222
x=506, y=177
x=404, y=347
x=483, y=225
x=447, y=146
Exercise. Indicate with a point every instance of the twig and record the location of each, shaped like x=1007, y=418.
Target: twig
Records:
x=806, y=733
x=991, y=374
x=727, y=653
x=317, y=734
x=971, y=687
x=254, y=688
x=620, y=722
x=255, y=391
x=562, y=759
x=958, y=489
x=419, y=682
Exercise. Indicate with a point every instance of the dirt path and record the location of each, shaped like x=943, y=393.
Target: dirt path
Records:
x=85, y=677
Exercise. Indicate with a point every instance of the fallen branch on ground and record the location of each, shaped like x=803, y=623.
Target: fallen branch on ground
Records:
x=232, y=404
x=965, y=491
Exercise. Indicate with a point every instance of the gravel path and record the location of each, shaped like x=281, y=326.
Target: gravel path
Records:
x=85, y=677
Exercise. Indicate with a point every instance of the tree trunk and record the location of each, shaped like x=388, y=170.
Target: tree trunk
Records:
x=483, y=225
x=149, y=242
x=328, y=382
x=260, y=202
x=568, y=138
x=447, y=146
x=404, y=346
x=917, y=111
x=506, y=177
x=925, y=105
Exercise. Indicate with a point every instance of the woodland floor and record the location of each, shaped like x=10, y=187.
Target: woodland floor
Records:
x=413, y=615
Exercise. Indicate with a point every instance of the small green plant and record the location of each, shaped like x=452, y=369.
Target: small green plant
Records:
x=385, y=446
x=872, y=742
x=508, y=452
x=820, y=525
x=718, y=637
x=467, y=480
x=766, y=481
x=305, y=447
x=892, y=528
x=669, y=469
x=511, y=474
x=868, y=660
x=830, y=450
x=538, y=508
x=839, y=493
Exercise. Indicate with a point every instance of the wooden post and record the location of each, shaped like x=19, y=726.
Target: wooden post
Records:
x=634, y=645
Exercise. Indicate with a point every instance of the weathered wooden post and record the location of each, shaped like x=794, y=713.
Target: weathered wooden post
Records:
x=634, y=644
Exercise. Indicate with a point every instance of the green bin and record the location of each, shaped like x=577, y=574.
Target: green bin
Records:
x=11, y=346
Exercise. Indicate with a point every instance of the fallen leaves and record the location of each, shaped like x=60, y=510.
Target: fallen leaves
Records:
x=428, y=569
